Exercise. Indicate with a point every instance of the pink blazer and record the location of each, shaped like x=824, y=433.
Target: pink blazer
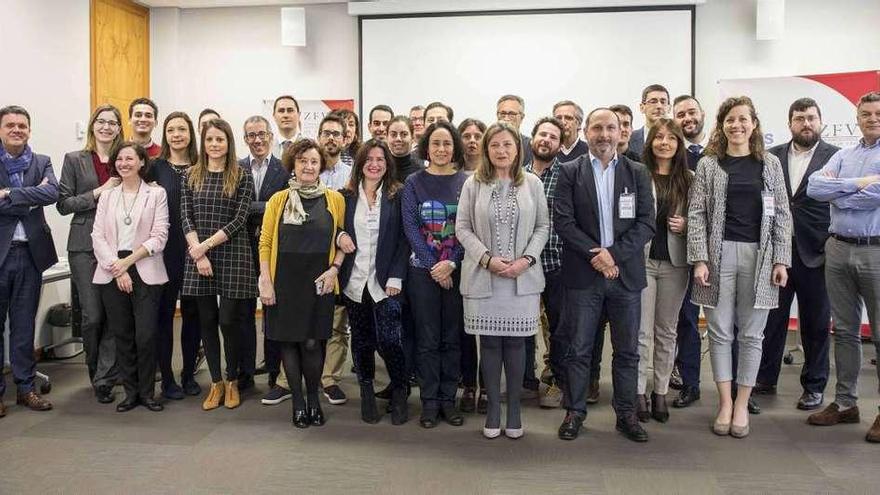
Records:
x=150, y=214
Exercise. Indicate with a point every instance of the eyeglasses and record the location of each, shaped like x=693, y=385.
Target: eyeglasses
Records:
x=110, y=123
x=657, y=101
x=417, y=119
x=331, y=134
x=508, y=115
x=568, y=118
x=252, y=136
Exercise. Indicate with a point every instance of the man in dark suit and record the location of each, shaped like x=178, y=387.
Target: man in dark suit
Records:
x=654, y=105
x=800, y=157
x=604, y=214
x=27, y=183
x=269, y=178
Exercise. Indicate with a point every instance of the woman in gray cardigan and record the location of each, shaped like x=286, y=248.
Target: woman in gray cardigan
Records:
x=503, y=224
x=739, y=241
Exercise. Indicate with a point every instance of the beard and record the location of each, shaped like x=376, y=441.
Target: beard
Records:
x=546, y=157
x=805, y=141
x=698, y=129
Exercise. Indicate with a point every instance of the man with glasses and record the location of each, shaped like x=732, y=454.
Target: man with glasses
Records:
x=510, y=109
x=654, y=106
x=269, y=178
x=571, y=115
x=417, y=118
x=285, y=111
x=143, y=114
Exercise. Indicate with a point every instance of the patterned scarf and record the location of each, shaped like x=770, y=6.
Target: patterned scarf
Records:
x=294, y=213
x=16, y=165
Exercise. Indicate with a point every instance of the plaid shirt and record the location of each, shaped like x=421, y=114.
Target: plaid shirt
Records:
x=551, y=256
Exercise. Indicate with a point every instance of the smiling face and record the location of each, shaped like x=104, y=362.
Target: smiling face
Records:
x=379, y=124
x=375, y=166
x=868, y=118
x=738, y=126
x=440, y=147
x=15, y=130
x=177, y=134
x=216, y=144
x=665, y=144
x=128, y=164
x=603, y=134
x=546, y=141
x=331, y=138
x=399, y=139
x=307, y=166
x=143, y=119
x=805, y=126
x=690, y=117
x=502, y=150
x=106, y=127
x=258, y=138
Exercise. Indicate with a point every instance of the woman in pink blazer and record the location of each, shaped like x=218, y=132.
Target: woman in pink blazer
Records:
x=131, y=227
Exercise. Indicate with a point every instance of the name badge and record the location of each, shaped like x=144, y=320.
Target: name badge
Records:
x=373, y=219
x=769, y=203
x=627, y=204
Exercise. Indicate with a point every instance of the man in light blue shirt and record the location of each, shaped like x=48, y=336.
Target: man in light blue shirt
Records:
x=850, y=181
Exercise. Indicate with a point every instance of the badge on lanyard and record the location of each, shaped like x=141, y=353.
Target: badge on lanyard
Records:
x=373, y=218
x=769, y=203
x=627, y=204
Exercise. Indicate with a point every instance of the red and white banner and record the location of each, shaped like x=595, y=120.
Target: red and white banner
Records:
x=836, y=94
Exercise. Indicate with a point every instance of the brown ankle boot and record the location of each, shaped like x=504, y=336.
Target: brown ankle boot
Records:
x=233, y=399
x=215, y=395
x=873, y=435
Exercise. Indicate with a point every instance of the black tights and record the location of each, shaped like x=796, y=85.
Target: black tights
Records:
x=303, y=360
x=228, y=317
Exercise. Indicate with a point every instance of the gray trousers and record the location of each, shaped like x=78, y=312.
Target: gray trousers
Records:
x=661, y=301
x=852, y=274
x=736, y=307
x=99, y=342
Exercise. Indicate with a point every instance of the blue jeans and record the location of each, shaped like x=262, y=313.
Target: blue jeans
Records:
x=20, y=283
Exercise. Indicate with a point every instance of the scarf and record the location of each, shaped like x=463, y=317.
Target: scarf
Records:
x=16, y=165
x=294, y=214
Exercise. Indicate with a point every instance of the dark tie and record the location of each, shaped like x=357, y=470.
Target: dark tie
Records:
x=695, y=149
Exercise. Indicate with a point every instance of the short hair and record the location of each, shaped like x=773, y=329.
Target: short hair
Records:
x=285, y=97
x=469, y=122
x=383, y=108
x=139, y=151
x=333, y=117
x=801, y=105
x=288, y=158
x=256, y=119
x=416, y=107
x=654, y=87
x=515, y=98
x=600, y=109
x=621, y=108
x=578, y=111
x=457, y=147
x=143, y=101
x=207, y=111
x=871, y=97
x=685, y=97
x=548, y=120
x=437, y=104
x=404, y=119
x=15, y=110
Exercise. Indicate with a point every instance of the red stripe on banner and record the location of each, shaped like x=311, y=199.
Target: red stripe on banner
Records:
x=852, y=85
x=339, y=104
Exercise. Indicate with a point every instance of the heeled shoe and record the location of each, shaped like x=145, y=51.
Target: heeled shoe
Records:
x=642, y=411
x=369, y=410
x=399, y=406
x=300, y=418
x=316, y=415
x=514, y=433
x=721, y=429
x=739, y=431
x=233, y=398
x=215, y=395
x=659, y=409
x=491, y=433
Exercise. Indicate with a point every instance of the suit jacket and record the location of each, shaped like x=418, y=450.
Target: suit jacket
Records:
x=637, y=141
x=811, y=218
x=392, y=248
x=275, y=180
x=78, y=179
x=175, y=251
x=150, y=215
x=676, y=244
x=25, y=204
x=576, y=220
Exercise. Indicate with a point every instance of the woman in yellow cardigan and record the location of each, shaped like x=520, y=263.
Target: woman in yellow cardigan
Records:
x=299, y=264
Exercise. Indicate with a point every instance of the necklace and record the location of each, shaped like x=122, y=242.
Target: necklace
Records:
x=504, y=215
x=126, y=210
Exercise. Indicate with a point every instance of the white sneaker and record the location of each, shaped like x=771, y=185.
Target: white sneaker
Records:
x=514, y=433
x=551, y=398
x=491, y=433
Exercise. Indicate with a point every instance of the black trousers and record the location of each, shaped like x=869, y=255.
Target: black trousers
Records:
x=247, y=358
x=439, y=318
x=552, y=297
x=133, y=318
x=228, y=317
x=688, y=340
x=814, y=315
x=190, y=334
x=376, y=327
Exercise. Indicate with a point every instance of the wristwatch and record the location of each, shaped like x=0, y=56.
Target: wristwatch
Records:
x=453, y=264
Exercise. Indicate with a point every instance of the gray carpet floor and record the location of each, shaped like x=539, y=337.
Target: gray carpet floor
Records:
x=85, y=447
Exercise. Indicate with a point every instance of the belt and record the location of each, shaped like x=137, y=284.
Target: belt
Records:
x=859, y=241
x=19, y=244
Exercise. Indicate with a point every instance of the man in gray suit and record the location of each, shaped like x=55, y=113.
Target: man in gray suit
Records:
x=654, y=105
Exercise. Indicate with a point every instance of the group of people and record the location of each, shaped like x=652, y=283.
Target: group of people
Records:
x=447, y=249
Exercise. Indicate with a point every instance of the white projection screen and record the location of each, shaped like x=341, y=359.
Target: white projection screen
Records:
x=468, y=60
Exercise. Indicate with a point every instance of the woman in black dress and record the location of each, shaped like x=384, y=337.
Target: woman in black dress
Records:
x=216, y=196
x=299, y=264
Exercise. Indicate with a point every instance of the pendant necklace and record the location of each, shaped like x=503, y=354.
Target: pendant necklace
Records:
x=126, y=210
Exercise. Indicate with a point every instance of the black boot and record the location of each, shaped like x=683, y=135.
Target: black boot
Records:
x=369, y=411
x=399, y=407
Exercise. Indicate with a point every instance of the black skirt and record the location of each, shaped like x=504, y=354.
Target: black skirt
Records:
x=299, y=314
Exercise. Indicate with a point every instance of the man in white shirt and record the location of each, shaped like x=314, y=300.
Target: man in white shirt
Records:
x=285, y=111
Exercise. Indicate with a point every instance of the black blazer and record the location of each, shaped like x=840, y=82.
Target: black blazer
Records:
x=576, y=220
x=392, y=249
x=275, y=180
x=811, y=218
x=25, y=204
x=175, y=251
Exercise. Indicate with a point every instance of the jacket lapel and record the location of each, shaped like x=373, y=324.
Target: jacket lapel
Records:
x=783, y=161
x=620, y=184
x=589, y=187
x=140, y=202
x=87, y=168
x=385, y=210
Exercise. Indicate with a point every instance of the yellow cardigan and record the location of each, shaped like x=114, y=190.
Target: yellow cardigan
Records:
x=273, y=214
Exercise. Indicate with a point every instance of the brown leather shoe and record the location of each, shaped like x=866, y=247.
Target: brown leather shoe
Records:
x=832, y=415
x=215, y=395
x=873, y=435
x=233, y=399
x=33, y=402
x=2, y=409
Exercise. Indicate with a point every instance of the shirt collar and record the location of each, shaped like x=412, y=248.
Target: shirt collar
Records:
x=596, y=163
x=794, y=150
x=566, y=151
x=261, y=164
x=873, y=146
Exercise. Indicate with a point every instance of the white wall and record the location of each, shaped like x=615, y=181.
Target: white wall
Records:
x=231, y=59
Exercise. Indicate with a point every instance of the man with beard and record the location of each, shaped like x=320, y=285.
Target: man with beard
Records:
x=654, y=105
x=377, y=124
x=546, y=144
x=400, y=138
x=571, y=115
x=604, y=214
x=417, y=117
x=800, y=157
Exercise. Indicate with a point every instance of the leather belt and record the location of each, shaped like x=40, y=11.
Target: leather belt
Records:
x=859, y=241
x=19, y=244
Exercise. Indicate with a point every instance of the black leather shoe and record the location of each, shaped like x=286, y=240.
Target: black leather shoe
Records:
x=104, y=393
x=570, y=426
x=300, y=418
x=810, y=401
x=429, y=418
x=468, y=401
x=686, y=397
x=753, y=406
x=316, y=415
x=191, y=388
x=384, y=394
x=659, y=409
x=152, y=405
x=482, y=402
x=171, y=390
x=245, y=382
x=399, y=407
x=451, y=415
x=642, y=410
x=764, y=389
x=128, y=404
x=631, y=429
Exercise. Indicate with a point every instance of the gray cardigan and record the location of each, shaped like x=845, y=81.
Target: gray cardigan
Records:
x=708, y=201
x=474, y=233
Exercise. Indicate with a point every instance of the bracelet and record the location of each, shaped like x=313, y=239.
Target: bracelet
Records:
x=531, y=259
